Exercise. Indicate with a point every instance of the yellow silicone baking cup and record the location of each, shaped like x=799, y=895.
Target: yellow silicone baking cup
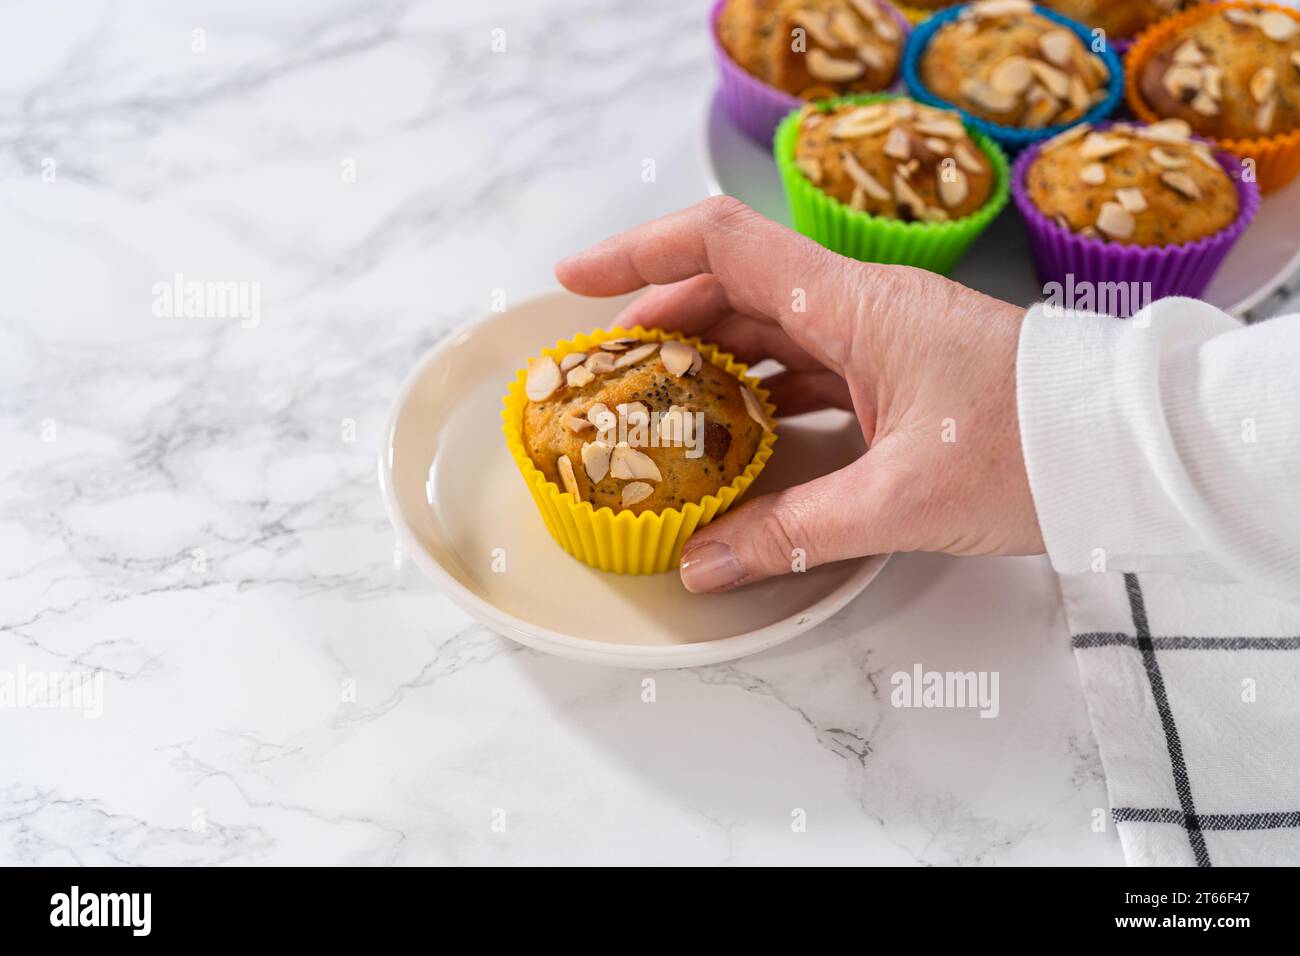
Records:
x=1277, y=157
x=623, y=542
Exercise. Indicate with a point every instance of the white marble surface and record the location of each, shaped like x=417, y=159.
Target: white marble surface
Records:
x=128, y=441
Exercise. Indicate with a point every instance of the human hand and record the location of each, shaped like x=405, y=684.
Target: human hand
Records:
x=927, y=365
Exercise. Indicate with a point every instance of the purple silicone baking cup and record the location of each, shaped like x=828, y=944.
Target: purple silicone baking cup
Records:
x=1184, y=269
x=753, y=105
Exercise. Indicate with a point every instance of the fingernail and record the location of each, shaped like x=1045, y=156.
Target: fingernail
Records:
x=710, y=567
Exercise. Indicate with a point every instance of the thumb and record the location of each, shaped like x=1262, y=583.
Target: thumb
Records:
x=845, y=514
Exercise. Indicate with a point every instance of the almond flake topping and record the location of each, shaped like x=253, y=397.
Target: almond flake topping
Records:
x=822, y=66
x=1181, y=183
x=1131, y=199
x=595, y=460
x=579, y=376
x=1116, y=221
x=754, y=407
x=572, y=359
x=1094, y=174
x=542, y=380
x=635, y=492
x=677, y=357
x=627, y=463
x=567, y=476
x=636, y=355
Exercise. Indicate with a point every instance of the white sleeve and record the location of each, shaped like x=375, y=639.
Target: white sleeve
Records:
x=1168, y=442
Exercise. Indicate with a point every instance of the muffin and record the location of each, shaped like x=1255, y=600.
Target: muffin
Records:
x=1003, y=62
x=1138, y=185
x=894, y=158
x=1118, y=18
x=1231, y=74
x=814, y=48
x=886, y=179
x=1120, y=216
x=630, y=441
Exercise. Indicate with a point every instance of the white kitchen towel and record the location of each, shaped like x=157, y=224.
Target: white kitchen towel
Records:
x=1193, y=689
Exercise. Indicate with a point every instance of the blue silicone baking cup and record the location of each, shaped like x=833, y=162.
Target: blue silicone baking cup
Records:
x=1011, y=138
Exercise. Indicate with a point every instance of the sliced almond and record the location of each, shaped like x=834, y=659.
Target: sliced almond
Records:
x=575, y=424
x=618, y=345
x=567, y=477
x=898, y=145
x=1057, y=46
x=627, y=463
x=865, y=181
x=1264, y=116
x=1207, y=159
x=754, y=407
x=905, y=195
x=1278, y=26
x=1181, y=183
x=872, y=58
x=572, y=359
x=1205, y=104
x=856, y=125
x=1263, y=83
x=697, y=363
x=632, y=356
x=1080, y=98
x=822, y=66
x=1116, y=221
x=1180, y=79
x=885, y=27
x=940, y=147
x=989, y=9
x=1189, y=53
x=1069, y=136
x=1101, y=146
x=941, y=125
x=1174, y=131
x=635, y=492
x=811, y=167
x=1041, y=107
x=1167, y=159
x=967, y=159
x=676, y=357
x=1245, y=18
x=847, y=28
x=954, y=187
x=542, y=380
x=635, y=413
x=600, y=416
x=1056, y=81
x=600, y=363
x=1131, y=199
x=858, y=200
x=1012, y=76
x=579, y=376
x=595, y=460
x=818, y=27
x=1094, y=174
x=987, y=98
x=1213, y=78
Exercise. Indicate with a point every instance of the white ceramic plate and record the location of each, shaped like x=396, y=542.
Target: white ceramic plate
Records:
x=454, y=495
x=999, y=263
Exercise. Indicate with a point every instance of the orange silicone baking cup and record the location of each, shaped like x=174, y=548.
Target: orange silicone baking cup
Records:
x=1276, y=158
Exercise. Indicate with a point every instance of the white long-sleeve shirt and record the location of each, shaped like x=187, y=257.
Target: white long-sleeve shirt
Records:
x=1169, y=442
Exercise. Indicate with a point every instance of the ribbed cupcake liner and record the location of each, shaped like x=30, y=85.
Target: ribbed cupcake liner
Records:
x=1012, y=138
x=1276, y=158
x=936, y=246
x=1063, y=255
x=754, y=106
x=623, y=542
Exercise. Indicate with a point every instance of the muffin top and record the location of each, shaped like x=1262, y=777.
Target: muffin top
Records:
x=637, y=426
x=1142, y=185
x=1232, y=74
x=814, y=48
x=894, y=158
x=1003, y=62
x=1119, y=18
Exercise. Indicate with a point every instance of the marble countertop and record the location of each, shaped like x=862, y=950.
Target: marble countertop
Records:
x=189, y=517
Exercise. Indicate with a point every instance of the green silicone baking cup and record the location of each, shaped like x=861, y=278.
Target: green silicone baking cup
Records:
x=936, y=246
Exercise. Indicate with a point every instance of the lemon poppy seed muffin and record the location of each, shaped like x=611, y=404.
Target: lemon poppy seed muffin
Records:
x=814, y=48
x=894, y=158
x=1233, y=74
x=1118, y=18
x=1003, y=62
x=638, y=426
x=1131, y=184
